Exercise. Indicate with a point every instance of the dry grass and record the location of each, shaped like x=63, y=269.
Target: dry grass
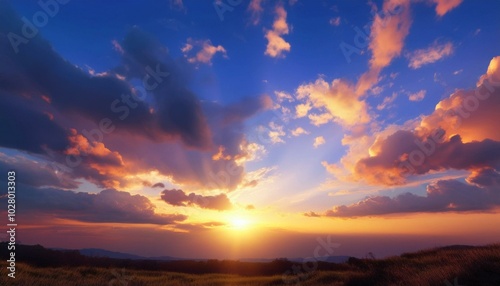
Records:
x=471, y=266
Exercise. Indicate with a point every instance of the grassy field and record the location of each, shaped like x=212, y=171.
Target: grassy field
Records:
x=451, y=266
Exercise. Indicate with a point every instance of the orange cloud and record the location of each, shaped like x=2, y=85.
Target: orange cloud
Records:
x=302, y=109
x=205, y=54
x=320, y=119
x=441, y=196
x=459, y=125
x=417, y=96
x=276, y=44
x=444, y=6
x=299, y=131
x=338, y=98
x=387, y=36
x=430, y=55
x=468, y=112
x=320, y=140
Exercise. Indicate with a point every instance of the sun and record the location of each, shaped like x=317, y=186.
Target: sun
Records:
x=239, y=223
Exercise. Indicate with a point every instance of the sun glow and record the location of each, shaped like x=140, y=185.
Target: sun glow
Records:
x=239, y=223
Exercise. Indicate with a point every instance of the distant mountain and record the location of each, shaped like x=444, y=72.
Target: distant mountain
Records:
x=97, y=252
x=333, y=259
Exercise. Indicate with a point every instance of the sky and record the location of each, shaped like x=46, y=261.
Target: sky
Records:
x=235, y=129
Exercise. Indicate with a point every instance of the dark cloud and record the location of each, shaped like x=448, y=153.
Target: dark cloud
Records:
x=404, y=153
x=485, y=177
x=158, y=185
x=178, y=109
x=41, y=71
x=312, y=214
x=106, y=206
x=179, y=198
x=442, y=196
x=25, y=128
x=36, y=174
x=45, y=99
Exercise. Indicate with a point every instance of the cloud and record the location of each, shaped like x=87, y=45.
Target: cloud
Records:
x=338, y=99
x=28, y=128
x=387, y=102
x=206, y=52
x=320, y=140
x=405, y=149
x=335, y=21
x=35, y=173
x=276, y=133
x=107, y=206
x=158, y=185
x=430, y=143
x=276, y=45
x=282, y=96
x=302, y=109
x=417, y=96
x=179, y=198
x=299, y=131
x=429, y=55
x=441, y=196
x=39, y=70
x=444, y=6
x=387, y=35
x=465, y=112
x=320, y=119
x=255, y=8
x=171, y=131
x=312, y=214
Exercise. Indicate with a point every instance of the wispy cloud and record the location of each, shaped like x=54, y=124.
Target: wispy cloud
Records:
x=387, y=102
x=432, y=54
x=256, y=10
x=335, y=21
x=387, y=36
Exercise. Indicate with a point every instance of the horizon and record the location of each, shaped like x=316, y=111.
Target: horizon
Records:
x=251, y=129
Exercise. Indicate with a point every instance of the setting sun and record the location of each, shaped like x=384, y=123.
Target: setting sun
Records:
x=239, y=223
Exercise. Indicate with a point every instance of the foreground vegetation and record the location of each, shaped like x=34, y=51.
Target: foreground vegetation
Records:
x=449, y=266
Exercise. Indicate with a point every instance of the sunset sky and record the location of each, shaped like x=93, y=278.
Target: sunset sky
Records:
x=234, y=129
